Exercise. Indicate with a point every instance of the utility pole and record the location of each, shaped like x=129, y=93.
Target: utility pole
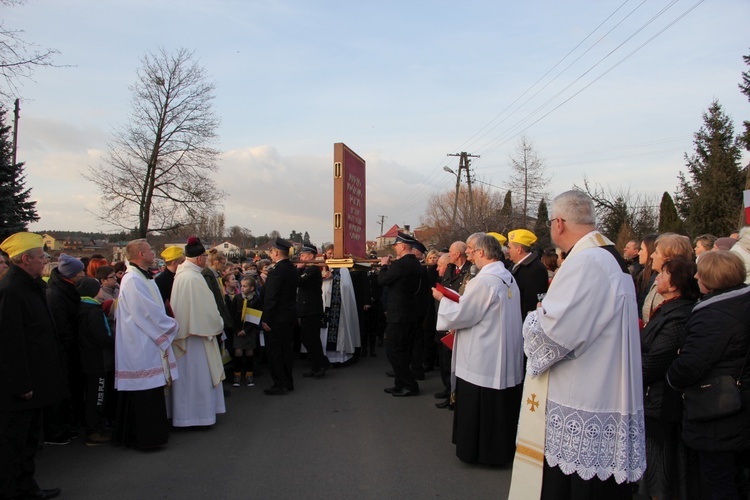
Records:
x=463, y=164
x=16, y=110
x=382, y=219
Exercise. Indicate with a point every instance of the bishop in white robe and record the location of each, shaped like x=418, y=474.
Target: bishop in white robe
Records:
x=198, y=396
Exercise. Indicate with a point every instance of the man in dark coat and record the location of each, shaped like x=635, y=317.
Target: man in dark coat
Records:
x=279, y=298
x=173, y=257
x=402, y=277
x=528, y=270
x=31, y=372
x=310, y=311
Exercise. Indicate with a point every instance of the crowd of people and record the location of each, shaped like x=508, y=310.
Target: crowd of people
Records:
x=590, y=370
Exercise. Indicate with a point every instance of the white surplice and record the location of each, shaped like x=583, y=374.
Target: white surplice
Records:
x=586, y=335
x=143, y=344
x=488, y=348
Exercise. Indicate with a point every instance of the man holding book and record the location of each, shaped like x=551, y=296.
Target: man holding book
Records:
x=487, y=356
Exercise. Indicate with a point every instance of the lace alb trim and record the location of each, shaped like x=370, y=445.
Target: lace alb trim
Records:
x=542, y=352
x=601, y=444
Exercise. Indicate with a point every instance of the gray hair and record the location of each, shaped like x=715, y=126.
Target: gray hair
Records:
x=575, y=207
x=487, y=244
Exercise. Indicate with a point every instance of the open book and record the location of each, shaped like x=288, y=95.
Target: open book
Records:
x=448, y=293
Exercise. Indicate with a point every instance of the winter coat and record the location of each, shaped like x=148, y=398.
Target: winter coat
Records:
x=63, y=299
x=661, y=341
x=30, y=355
x=95, y=341
x=717, y=344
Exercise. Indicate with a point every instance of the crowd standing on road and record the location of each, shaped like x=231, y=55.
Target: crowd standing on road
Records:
x=581, y=366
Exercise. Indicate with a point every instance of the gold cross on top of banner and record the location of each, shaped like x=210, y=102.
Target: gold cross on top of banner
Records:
x=534, y=404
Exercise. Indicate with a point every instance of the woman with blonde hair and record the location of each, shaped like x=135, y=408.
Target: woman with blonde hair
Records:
x=667, y=247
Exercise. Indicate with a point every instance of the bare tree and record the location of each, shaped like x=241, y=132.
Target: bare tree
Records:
x=18, y=58
x=156, y=175
x=527, y=179
x=439, y=212
x=618, y=208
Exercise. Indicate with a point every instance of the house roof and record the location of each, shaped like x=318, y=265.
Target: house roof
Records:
x=392, y=232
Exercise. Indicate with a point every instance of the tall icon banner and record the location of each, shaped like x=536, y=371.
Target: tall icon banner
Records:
x=349, y=215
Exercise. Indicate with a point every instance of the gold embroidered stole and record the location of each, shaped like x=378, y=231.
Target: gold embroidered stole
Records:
x=528, y=464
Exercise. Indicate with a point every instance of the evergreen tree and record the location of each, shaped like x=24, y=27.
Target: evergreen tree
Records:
x=745, y=89
x=745, y=137
x=507, y=209
x=540, y=228
x=710, y=197
x=16, y=211
x=669, y=220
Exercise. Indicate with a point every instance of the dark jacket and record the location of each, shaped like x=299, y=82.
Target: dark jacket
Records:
x=532, y=279
x=402, y=278
x=279, y=294
x=661, y=340
x=63, y=299
x=218, y=293
x=309, y=292
x=717, y=344
x=236, y=311
x=30, y=354
x=165, y=282
x=95, y=342
x=453, y=279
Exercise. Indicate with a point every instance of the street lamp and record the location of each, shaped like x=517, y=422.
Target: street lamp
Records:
x=458, y=185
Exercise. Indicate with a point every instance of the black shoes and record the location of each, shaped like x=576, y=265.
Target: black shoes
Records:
x=442, y=395
x=276, y=391
x=402, y=393
x=391, y=390
x=41, y=494
x=319, y=373
x=390, y=373
x=443, y=404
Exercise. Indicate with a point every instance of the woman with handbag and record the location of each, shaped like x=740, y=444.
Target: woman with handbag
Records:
x=711, y=371
x=661, y=339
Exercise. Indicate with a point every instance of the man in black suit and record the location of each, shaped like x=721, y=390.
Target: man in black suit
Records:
x=402, y=277
x=528, y=270
x=310, y=311
x=279, y=296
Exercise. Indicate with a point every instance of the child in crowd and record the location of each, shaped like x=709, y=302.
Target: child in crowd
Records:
x=245, y=333
x=96, y=345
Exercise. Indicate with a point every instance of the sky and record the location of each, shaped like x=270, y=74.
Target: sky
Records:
x=608, y=90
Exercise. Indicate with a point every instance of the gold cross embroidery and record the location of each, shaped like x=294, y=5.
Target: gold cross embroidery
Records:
x=534, y=404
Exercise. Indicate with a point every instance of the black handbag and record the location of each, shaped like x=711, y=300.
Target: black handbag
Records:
x=714, y=398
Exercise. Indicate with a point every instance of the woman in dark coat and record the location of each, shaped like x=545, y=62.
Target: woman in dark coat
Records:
x=717, y=344
x=661, y=339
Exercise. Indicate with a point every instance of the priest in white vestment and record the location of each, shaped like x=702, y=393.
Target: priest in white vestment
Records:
x=144, y=358
x=487, y=357
x=198, y=396
x=583, y=371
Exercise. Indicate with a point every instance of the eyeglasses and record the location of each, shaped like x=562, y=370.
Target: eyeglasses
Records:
x=549, y=222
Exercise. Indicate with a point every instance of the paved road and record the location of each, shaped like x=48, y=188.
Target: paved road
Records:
x=339, y=437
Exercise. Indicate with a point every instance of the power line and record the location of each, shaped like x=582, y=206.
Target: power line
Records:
x=505, y=136
x=652, y=38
